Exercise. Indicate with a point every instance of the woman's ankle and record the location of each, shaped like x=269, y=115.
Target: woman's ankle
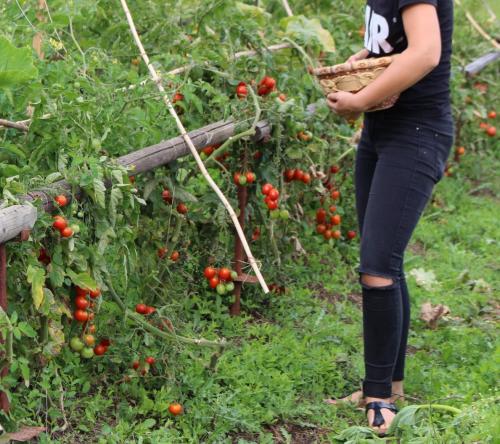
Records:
x=397, y=391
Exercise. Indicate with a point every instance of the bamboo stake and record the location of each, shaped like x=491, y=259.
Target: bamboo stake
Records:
x=22, y=125
x=192, y=148
x=478, y=28
x=287, y=8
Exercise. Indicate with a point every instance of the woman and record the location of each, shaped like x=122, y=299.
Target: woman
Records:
x=401, y=156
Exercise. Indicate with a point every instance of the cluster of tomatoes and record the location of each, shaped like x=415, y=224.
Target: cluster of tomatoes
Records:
x=143, y=366
x=297, y=174
x=61, y=224
x=162, y=252
x=326, y=221
x=144, y=309
x=271, y=196
x=265, y=87
x=490, y=130
x=84, y=314
x=220, y=279
x=167, y=197
x=242, y=179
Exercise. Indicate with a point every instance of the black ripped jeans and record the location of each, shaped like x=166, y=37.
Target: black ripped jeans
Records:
x=399, y=160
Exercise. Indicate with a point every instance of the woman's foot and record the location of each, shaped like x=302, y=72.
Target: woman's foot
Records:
x=377, y=407
x=358, y=399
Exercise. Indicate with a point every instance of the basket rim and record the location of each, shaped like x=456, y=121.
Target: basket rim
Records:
x=346, y=68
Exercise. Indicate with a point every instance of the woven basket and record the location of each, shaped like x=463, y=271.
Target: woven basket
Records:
x=353, y=77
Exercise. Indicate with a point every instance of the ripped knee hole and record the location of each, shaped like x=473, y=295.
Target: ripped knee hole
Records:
x=372, y=281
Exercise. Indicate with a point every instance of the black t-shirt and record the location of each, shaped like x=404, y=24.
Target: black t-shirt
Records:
x=385, y=35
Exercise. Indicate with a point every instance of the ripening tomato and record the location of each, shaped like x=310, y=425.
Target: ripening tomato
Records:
x=135, y=365
x=335, y=194
x=210, y=272
x=335, y=220
x=236, y=178
x=336, y=234
x=320, y=228
x=61, y=200
x=81, y=302
x=175, y=256
x=89, y=340
x=266, y=188
x=328, y=234
x=161, y=252
x=67, y=232
x=299, y=174
x=272, y=205
x=242, y=90
x=94, y=294
x=60, y=223
x=268, y=82
x=150, y=360
x=166, y=195
x=282, y=97
x=492, y=114
x=306, y=178
x=460, y=151
x=304, y=136
x=483, y=125
x=321, y=215
x=225, y=274
x=141, y=308
x=177, y=97
x=351, y=234
x=175, y=409
x=81, y=315
x=250, y=177
x=491, y=131
x=213, y=282
x=332, y=208
x=182, y=208
x=289, y=175
x=91, y=316
x=92, y=329
x=99, y=350
x=274, y=194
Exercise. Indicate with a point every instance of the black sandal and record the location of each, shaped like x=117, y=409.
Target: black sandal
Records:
x=377, y=406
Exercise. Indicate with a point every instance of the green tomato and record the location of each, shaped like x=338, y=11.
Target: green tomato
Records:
x=275, y=214
x=203, y=156
x=87, y=353
x=96, y=144
x=221, y=289
x=234, y=275
x=76, y=344
x=75, y=228
x=229, y=286
x=284, y=214
x=242, y=180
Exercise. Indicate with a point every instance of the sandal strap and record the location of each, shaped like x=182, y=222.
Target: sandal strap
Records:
x=377, y=406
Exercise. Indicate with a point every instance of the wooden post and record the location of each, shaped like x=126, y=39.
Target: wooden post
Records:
x=239, y=254
x=4, y=401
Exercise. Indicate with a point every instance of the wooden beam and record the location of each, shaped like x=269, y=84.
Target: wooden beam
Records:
x=15, y=219
x=479, y=64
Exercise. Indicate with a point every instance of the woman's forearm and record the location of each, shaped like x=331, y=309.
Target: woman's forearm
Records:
x=406, y=69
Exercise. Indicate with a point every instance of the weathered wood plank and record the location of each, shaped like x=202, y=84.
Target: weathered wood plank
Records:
x=479, y=64
x=15, y=219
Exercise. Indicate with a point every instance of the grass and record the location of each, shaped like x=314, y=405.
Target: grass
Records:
x=295, y=349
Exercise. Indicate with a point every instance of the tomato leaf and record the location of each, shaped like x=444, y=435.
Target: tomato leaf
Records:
x=82, y=280
x=36, y=277
x=16, y=65
x=308, y=31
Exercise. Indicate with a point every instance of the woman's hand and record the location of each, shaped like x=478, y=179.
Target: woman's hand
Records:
x=345, y=104
x=360, y=55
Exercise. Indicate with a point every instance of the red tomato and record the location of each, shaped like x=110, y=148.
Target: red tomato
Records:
x=266, y=188
x=272, y=205
x=256, y=234
x=460, y=151
x=236, y=178
x=161, y=252
x=263, y=91
x=268, y=82
x=92, y=328
x=59, y=223
x=94, y=294
x=177, y=97
x=334, y=169
x=81, y=316
x=335, y=220
x=321, y=216
x=242, y=90
x=181, y=208
x=213, y=282
x=306, y=178
x=289, y=175
x=166, y=195
x=175, y=409
x=225, y=274
x=492, y=114
x=250, y=177
x=81, y=302
x=282, y=97
x=320, y=228
x=336, y=234
x=67, y=232
x=335, y=194
x=135, y=365
x=210, y=272
x=491, y=131
x=299, y=174
x=150, y=360
x=99, y=350
x=208, y=150
x=174, y=256
x=141, y=308
x=274, y=194
x=328, y=234
x=332, y=209
x=351, y=234
x=81, y=291
x=483, y=125
x=150, y=310
x=61, y=200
